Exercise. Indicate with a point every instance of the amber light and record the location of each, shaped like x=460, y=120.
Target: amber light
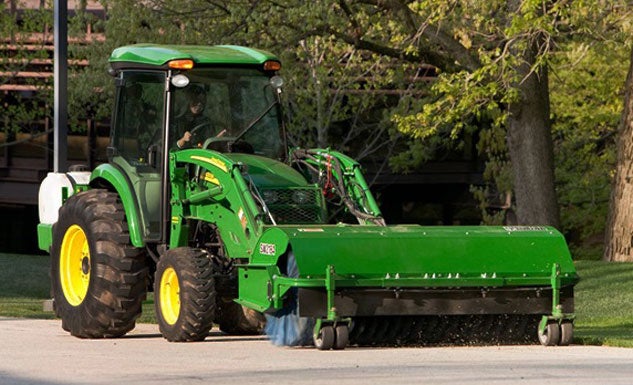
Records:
x=272, y=66
x=183, y=64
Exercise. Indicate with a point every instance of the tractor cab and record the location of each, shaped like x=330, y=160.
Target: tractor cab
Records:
x=224, y=98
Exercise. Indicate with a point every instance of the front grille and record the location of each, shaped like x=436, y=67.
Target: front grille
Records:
x=295, y=205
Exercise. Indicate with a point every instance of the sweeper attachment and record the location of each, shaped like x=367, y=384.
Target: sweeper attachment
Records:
x=202, y=201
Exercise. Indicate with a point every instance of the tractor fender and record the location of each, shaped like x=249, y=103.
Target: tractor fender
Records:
x=111, y=176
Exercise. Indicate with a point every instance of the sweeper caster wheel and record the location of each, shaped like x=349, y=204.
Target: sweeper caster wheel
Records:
x=566, y=333
x=330, y=337
x=551, y=335
x=324, y=340
x=342, y=337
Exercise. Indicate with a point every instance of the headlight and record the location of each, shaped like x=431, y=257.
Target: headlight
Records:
x=270, y=196
x=301, y=197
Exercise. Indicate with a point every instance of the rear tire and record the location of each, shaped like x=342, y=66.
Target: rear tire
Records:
x=99, y=279
x=184, y=295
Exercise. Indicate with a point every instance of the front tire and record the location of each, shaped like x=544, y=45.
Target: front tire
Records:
x=235, y=319
x=99, y=279
x=184, y=295
x=230, y=316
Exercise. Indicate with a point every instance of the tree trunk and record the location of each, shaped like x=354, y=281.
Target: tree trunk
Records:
x=530, y=146
x=619, y=230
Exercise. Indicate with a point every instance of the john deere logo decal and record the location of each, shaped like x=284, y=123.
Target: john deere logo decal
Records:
x=214, y=161
x=211, y=178
x=267, y=249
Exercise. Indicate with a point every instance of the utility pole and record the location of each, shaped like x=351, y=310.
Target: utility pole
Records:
x=60, y=60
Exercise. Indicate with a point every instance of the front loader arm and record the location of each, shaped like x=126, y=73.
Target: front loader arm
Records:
x=342, y=176
x=209, y=187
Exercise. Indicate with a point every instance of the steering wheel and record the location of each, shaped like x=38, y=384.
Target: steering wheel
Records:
x=228, y=144
x=199, y=126
x=195, y=138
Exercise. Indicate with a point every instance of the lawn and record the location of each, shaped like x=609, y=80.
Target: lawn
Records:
x=25, y=285
x=604, y=297
x=604, y=303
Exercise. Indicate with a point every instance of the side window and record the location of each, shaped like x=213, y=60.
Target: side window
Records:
x=138, y=120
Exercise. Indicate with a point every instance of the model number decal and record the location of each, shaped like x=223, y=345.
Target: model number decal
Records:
x=267, y=249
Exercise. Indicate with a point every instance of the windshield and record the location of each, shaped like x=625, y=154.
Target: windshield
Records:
x=221, y=103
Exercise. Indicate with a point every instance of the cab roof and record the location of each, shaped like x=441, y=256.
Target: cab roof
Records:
x=153, y=55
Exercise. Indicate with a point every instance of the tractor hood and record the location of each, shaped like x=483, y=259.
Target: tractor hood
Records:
x=268, y=173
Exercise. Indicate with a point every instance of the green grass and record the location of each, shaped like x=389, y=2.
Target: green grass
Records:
x=25, y=285
x=604, y=304
x=604, y=297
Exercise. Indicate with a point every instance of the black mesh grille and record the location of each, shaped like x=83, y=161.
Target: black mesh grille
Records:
x=294, y=206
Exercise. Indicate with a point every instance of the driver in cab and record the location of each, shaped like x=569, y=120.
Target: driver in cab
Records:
x=193, y=127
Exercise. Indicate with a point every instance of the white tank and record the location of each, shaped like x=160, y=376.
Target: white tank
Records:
x=50, y=194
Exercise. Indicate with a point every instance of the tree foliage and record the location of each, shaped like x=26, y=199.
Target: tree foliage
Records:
x=587, y=93
x=335, y=92
x=23, y=40
x=27, y=46
x=357, y=72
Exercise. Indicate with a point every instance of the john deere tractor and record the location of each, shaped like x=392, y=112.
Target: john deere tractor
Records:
x=202, y=202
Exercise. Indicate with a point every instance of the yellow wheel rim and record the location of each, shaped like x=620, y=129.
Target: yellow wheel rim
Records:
x=170, y=296
x=74, y=265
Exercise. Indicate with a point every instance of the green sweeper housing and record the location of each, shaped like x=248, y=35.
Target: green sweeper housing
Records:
x=230, y=227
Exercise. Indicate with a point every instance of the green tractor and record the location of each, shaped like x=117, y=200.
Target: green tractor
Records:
x=203, y=202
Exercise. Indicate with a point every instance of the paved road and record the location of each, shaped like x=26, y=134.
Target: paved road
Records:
x=39, y=352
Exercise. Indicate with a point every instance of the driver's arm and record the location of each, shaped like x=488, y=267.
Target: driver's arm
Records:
x=184, y=140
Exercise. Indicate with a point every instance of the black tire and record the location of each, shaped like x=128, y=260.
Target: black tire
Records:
x=184, y=295
x=235, y=319
x=325, y=339
x=342, y=337
x=551, y=335
x=231, y=317
x=566, y=333
x=91, y=236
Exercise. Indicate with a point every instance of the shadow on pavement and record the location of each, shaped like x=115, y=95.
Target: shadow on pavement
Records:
x=7, y=379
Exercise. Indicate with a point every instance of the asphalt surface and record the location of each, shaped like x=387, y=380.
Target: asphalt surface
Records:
x=39, y=352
